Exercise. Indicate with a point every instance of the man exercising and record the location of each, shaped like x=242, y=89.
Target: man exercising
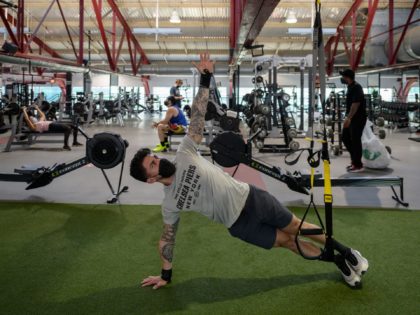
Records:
x=174, y=121
x=191, y=183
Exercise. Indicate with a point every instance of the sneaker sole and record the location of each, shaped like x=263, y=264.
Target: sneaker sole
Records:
x=356, y=171
x=365, y=265
x=357, y=285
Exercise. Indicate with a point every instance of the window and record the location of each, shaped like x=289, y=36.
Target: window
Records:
x=412, y=94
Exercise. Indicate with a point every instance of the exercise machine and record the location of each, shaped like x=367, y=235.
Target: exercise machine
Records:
x=104, y=150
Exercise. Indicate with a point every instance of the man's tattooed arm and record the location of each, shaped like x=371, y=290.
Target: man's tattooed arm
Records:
x=167, y=244
x=198, y=112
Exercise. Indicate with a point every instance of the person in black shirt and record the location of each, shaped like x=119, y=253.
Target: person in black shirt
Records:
x=176, y=94
x=355, y=120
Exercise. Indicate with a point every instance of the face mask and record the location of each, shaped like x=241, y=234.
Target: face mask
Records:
x=166, y=168
x=342, y=80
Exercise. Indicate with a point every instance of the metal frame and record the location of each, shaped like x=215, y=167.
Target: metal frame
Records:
x=23, y=41
x=355, y=54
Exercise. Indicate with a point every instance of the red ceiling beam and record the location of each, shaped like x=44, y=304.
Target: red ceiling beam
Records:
x=67, y=28
x=117, y=56
x=255, y=14
x=112, y=53
x=408, y=22
x=373, y=6
x=45, y=47
x=42, y=45
x=128, y=31
x=236, y=10
x=390, y=30
x=97, y=7
x=8, y=28
x=334, y=40
x=20, y=24
x=113, y=34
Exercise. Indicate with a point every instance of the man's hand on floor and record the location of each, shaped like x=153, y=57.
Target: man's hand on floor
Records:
x=155, y=281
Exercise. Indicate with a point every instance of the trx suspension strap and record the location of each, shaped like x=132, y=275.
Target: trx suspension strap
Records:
x=318, y=63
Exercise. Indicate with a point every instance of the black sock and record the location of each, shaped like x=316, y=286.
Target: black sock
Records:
x=162, y=143
x=165, y=140
x=343, y=250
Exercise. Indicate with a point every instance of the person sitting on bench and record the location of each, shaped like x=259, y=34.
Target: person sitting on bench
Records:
x=42, y=125
x=174, y=121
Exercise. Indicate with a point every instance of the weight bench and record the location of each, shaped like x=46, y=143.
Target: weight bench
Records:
x=365, y=181
x=171, y=136
x=20, y=136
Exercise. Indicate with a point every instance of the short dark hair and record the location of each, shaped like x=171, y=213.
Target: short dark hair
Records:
x=170, y=99
x=348, y=73
x=137, y=169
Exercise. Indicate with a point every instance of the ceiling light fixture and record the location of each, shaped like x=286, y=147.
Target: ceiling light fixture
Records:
x=291, y=18
x=160, y=31
x=175, y=17
x=309, y=31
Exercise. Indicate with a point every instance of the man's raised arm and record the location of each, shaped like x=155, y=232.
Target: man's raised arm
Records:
x=199, y=106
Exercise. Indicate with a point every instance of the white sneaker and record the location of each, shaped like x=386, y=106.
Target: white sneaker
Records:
x=357, y=262
x=349, y=275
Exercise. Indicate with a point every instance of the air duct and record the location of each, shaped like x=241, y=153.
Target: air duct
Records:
x=377, y=48
x=410, y=47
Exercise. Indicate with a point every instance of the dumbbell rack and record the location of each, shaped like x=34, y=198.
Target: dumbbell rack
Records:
x=335, y=109
x=395, y=114
x=269, y=109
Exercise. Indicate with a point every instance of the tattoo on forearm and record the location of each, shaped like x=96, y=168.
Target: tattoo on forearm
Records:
x=198, y=112
x=168, y=236
x=168, y=251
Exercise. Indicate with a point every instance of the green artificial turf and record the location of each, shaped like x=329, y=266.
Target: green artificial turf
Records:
x=87, y=259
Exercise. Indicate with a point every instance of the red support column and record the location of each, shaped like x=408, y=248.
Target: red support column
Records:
x=81, y=30
x=20, y=24
x=391, y=30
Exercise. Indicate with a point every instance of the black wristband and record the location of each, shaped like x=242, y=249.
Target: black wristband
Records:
x=166, y=275
x=205, y=79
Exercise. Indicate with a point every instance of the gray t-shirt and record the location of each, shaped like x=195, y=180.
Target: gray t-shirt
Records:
x=202, y=187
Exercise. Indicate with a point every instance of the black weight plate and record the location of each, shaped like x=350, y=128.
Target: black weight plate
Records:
x=106, y=150
x=228, y=149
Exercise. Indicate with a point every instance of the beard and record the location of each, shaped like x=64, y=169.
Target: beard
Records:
x=166, y=168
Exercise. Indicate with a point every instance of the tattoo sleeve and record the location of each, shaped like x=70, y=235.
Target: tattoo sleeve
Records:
x=198, y=112
x=167, y=241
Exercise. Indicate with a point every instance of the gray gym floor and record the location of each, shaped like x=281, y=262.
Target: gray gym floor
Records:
x=87, y=184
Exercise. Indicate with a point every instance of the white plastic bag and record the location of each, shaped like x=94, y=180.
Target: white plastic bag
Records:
x=375, y=155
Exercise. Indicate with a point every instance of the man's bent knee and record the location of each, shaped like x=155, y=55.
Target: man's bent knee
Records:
x=293, y=226
x=284, y=240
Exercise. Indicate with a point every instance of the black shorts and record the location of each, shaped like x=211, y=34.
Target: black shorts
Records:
x=260, y=218
x=58, y=127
